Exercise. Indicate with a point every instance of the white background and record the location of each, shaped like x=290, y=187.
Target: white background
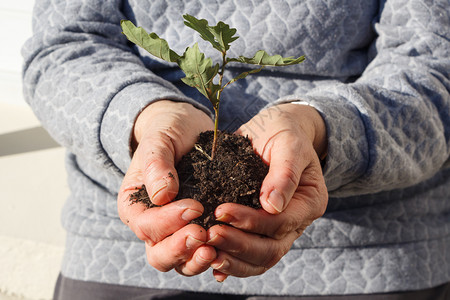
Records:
x=32, y=185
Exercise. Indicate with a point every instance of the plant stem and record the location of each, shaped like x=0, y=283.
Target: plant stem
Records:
x=216, y=127
x=216, y=107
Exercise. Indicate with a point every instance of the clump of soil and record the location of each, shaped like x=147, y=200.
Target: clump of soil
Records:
x=234, y=175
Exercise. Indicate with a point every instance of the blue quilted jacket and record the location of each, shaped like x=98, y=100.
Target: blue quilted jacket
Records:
x=377, y=71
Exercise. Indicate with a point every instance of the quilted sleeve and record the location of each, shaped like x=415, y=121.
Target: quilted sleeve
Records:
x=391, y=127
x=83, y=80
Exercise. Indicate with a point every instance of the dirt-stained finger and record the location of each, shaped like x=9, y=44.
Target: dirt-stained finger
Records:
x=199, y=262
x=175, y=249
x=154, y=224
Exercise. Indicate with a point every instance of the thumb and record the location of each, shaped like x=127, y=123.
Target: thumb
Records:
x=156, y=153
x=286, y=166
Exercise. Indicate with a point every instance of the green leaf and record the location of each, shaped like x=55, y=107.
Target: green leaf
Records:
x=224, y=35
x=150, y=42
x=200, y=72
x=220, y=36
x=263, y=59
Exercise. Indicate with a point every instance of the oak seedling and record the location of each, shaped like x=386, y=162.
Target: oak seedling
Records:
x=200, y=71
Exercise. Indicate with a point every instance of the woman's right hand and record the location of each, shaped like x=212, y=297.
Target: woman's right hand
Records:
x=163, y=133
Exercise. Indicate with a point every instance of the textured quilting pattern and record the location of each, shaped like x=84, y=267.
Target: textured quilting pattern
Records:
x=309, y=271
x=378, y=71
x=329, y=33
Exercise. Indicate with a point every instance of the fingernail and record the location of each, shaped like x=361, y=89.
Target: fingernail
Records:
x=221, y=280
x=224, y=217
x=218, y=266
x=219, y=276
x=192, y=242
x=276, y=200
x=190, y=214
x=158, y=187
x=213, y=240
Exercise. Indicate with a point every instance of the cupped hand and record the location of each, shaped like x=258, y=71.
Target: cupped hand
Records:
x=290, y=138
x=163, y=133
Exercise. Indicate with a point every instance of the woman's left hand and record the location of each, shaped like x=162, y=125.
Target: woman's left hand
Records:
x=290, y=138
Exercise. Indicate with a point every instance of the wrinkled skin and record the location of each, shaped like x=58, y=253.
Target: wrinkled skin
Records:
x=289, y=137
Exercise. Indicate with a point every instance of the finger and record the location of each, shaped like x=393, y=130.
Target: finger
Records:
x=154, y=224
x=200, y=261
x=248, y=219
x=294, y=218
x=176, y=249
x=251, y=248
x=229, y=265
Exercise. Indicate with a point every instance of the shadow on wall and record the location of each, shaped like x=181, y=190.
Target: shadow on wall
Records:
x=26, y=140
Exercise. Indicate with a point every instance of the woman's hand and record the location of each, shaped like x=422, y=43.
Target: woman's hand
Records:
x=163, y=133
x=290, y=138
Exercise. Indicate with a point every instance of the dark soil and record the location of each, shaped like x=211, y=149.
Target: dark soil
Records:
x=234, y=175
